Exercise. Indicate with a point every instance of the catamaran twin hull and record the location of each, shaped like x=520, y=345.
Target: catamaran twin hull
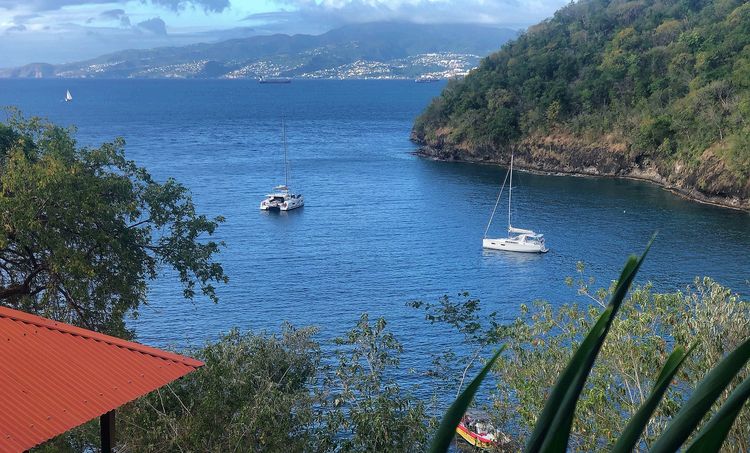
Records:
x=282, y=203
x=514, y=245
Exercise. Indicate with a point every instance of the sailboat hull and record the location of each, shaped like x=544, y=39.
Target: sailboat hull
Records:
x=291, y=205
x=519, y=239
x=282, y=202
x=283, y=199
x=513, y=245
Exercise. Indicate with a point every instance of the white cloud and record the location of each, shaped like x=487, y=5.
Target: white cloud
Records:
x=337, y=12
x=215, y=6
x=68, y=30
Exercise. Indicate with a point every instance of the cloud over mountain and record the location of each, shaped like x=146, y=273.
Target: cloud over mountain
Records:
x=116, y=15
x=154, y=25
x=67, y=30
x=215, y=6
x=175, y=5
x=339, y=12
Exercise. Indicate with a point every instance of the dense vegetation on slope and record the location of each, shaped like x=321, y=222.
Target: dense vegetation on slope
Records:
x=654, y=88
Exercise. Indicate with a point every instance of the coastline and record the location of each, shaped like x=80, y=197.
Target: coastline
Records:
x=651, y=176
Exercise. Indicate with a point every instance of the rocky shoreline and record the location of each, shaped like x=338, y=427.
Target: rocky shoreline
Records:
x=614, y=165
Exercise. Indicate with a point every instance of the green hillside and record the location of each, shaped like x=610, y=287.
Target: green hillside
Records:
x=658, y=89
x=397, y=45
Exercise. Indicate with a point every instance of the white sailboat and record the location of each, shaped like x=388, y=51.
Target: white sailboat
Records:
x=282, y=199
x=68, y=97
x=519, y=239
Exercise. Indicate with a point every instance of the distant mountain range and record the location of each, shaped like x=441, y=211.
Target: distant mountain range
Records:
x=375, y=50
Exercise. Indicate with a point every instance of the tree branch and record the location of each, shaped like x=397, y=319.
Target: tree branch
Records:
x=137, y=224
x=20, y=289
x=69, y=299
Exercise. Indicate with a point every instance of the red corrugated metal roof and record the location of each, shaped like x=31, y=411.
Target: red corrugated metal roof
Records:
x=54, y=376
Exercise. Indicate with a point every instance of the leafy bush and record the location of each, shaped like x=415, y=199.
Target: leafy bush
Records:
x=254, y=394
x=639, y=342
x=725, y=387
x=273, y=393
x=371, y=411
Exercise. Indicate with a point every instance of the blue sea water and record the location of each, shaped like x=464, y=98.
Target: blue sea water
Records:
x=380, y=226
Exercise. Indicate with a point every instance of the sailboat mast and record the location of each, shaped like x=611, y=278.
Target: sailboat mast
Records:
x=510, y=188
x=286, y=161
x=497, y=202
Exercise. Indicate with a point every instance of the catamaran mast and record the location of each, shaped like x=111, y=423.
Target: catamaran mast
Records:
x=510, y=189
x=286, y=161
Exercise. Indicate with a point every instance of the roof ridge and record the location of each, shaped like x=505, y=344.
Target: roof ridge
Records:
x=46, y=323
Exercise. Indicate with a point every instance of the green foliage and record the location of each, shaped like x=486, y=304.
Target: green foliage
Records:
x=669, y=79
x=447, y=429
x=706, y=315
x=372, y=412
x=252, y=395
x=715, y=432
x=82, y=230
x=703, y=397
x=639, y=421
x=552, y=429
x=274, y=394
x=271, y=393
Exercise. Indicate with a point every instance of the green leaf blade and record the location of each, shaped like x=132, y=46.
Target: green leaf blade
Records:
x=452, y=417
x=637, y=424
x=707, y=392
x=712, y=436
x=552, y=430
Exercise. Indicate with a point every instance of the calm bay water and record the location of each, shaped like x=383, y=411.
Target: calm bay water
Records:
x=380, y=226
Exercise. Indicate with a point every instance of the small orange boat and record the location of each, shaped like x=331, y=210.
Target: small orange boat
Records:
x=477, y=432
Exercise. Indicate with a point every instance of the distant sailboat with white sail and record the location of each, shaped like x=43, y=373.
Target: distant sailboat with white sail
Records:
x=519, y=239
x=68, y=96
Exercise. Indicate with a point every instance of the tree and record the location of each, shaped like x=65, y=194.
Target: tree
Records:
x=650, y=325
x=83, y=231
x=253, y=394
x=260, y=392
x=706, y=417
x=477, y=330
x=370, y=410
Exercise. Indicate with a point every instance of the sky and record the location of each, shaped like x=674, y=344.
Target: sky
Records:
x=59, y=31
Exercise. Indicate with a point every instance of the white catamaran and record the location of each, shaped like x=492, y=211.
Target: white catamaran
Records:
x=519, y=239
x=282, y=199
x=68, y=97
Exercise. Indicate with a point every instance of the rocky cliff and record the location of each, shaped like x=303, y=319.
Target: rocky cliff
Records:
x=710, y=181
x=650, y=89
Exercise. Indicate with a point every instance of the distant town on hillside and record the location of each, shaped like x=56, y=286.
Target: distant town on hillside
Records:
x=383, y=50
